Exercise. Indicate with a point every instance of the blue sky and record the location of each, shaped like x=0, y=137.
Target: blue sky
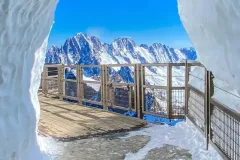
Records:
x=144, y=21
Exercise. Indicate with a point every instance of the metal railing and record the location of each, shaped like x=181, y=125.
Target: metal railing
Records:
x=120, y=89
x=150, y=89
x=218, y=123
x=51, y=80
x=128, y=87
x=160, y=96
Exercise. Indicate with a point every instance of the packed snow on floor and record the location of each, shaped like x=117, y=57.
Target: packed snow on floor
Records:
x=50, y=147
x=184, y=135
x=214, y=32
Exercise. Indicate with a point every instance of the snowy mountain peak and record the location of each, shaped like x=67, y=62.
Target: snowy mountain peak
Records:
x=158, y=45
x=81, y=35
x=125, y=44
x=84, y=49
x=144, y=46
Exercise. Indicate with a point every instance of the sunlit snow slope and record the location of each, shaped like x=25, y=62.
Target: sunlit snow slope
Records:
x=24, y=30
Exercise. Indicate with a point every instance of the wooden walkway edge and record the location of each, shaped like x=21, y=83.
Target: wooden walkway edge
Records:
x=67, y=121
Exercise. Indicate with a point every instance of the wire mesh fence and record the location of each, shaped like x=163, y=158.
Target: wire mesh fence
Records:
x=122, y=97
x=155, y=75
x=178, y=76
x=156, y=101
x=92, y=92
x=225, y=130
x=70, y=89
x=219, y=123
x=225, y=122
x=91, y=84
x=196, y=108
x=121, y=83
x=121, y=73
x=51, y=80
x=162, y=94
x=178, y=102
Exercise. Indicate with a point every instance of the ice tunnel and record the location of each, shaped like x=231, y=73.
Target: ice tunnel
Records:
x=213, y=28
x=24, y=30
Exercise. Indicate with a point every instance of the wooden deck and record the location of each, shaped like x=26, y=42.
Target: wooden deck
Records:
x=65, y=120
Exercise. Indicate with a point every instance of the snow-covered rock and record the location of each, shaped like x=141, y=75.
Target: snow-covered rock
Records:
x=213, y=27
x=24, y=30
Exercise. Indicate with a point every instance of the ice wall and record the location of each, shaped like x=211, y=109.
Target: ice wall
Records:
x=24, y=30
x=213, y=28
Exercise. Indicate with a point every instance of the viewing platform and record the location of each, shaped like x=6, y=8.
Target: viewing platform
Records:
x=161, y=91
x=67, y=121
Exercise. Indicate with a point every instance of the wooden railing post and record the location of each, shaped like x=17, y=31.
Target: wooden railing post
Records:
x=60, y=81
x=169, y=90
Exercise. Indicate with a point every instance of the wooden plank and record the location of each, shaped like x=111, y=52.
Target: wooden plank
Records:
x=66, y=127
x=62, y=119
x=53, y=109
x=76, y=116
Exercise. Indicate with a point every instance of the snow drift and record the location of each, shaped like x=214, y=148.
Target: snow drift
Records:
x=24, y=30
x=213, y=27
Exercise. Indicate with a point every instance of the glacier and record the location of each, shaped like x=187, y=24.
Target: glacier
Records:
x=24, y=30
x=213, y=28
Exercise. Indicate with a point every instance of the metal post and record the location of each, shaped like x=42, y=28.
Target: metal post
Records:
x=44, y=80
x=206, y=107
x=112, y=97
x=81, y=85
x=210, y=105
x=135, y=86
x=111, y=93
x=130, y=98
x=104, y=86
x=109, y=88
x=186, y=88
x=141, y=90
x=63, y=80
x=78, y=68
x=60, y=81
x=169, y=90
